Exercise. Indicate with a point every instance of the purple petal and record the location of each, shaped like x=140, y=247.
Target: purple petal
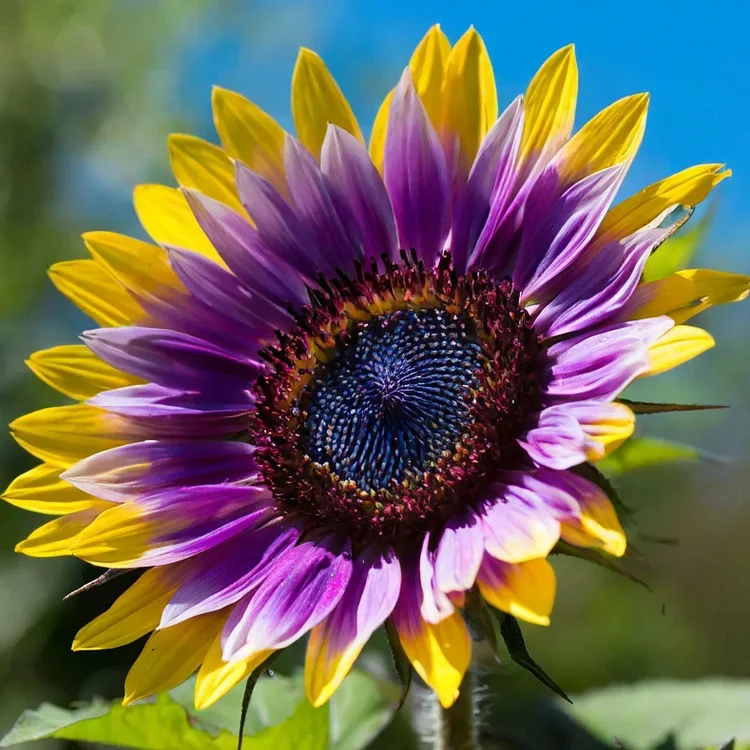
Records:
x=279, y=228
x=556, y=231
x=345, y=161
x=251, y=317
x=601, y=288
x=459, y=553
x=416, y=175
x=224, y=574
x=597, y=366
x=485, y=200
x=120, y=474
x=322, y=209
x=167, y=412
x=260, y=267
x=299, y=592
x=171, y=359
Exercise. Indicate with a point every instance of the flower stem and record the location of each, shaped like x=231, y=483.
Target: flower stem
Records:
x=458, y=729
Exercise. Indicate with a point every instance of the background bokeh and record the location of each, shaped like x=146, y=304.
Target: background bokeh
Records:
x=88, y=92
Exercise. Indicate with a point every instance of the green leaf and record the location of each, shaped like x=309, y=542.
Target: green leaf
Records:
x=274, y=700
x=279, y=718
x=701, y=713
x=516, y=646
x=675, y=253
x=159, y=725
x=648, y=407
x=638, y=453
x=306, y=729
x=360, y=710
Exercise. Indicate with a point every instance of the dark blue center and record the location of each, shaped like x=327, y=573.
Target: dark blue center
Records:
x=395, y=398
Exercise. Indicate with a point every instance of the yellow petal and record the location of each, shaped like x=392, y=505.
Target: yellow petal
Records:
x=427, y=67
x=469, y=96
x=170, y=656
x=317, y=101
x=440, y=654
x=597, y=526
x=138, y=266
x=119, y=538
x=610, y=432
x=687, y=293
x=96, y=292
x=686, y=188
x=42, y=491
x=609, y=138
x=135, y=613
x=217, y=677
x=326, y=666
x=202, y=166
x=77, y=372
x=64, y=435
x=250, y=135
x=379, y=130
x=525, y=590
x=550, y=105
x=56, y=538
x=164, y=213
x=676, y=346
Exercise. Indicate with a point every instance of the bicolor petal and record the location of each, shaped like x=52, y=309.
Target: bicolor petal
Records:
x=300, y=592
x=335, y=643
x=439, y=653
x=166, y=216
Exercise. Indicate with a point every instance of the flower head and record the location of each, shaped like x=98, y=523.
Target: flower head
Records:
x=349, y=385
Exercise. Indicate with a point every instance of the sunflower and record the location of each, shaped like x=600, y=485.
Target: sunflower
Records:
x=349, y=387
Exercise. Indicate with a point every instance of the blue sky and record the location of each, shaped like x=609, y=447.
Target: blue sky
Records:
x=694, y=61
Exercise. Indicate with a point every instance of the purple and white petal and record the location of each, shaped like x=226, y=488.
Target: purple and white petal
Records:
x=459, y=553
x=599, y=365
x=601, y=288
x=226, y=573
x=299, y=592
x=436, y=604
x=517, y=524
x=557, y=230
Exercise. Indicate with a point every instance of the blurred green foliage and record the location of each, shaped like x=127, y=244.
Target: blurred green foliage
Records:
x=88, y=91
